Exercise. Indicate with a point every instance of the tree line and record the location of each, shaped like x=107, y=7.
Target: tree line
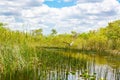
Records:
x=107, y=38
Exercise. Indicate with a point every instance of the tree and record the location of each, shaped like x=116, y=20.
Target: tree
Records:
x=37, y=32
x=54, y=32
x=113, y=33
x=74, y=34
x=113, y=30
x=1, y=24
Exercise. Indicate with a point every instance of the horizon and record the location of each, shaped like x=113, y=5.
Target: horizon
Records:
x=63, y=15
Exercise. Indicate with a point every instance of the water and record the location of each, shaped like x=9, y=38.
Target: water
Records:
x=51, y=64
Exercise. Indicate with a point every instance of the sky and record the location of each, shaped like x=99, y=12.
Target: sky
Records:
x=63, y=15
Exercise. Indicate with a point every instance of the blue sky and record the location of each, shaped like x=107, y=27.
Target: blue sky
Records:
x=119, y=0
x=62, y=15
x=60, y=3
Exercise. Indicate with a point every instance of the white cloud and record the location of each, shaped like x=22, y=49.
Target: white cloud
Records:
x=49, y=0
x=88, y=1
x=20, y=3
x=82, y=17
x=68, y=0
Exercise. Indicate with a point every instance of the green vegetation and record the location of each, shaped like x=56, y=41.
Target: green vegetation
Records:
x=104, y=39
x=21, y=53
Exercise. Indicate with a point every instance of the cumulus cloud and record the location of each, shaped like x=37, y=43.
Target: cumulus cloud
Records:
x=88, y=1
x=33, y=14
x=20, y=3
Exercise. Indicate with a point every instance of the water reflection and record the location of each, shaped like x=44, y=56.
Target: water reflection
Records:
x=67, y=65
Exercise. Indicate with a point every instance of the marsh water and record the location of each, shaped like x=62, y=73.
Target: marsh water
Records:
x=57, y=64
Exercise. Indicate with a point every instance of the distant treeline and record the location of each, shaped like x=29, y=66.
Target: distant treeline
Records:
x=107, y=38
